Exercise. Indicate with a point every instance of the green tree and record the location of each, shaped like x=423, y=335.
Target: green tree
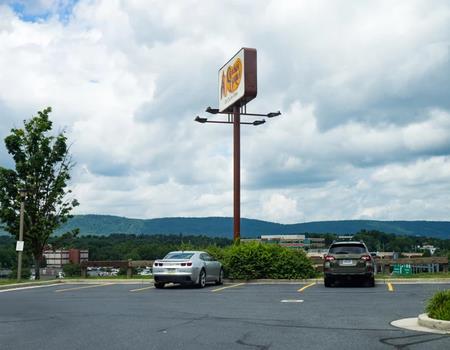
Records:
x=42, y=167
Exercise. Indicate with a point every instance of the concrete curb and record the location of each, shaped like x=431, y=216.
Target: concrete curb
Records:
x=29, y=284
x=432, y=323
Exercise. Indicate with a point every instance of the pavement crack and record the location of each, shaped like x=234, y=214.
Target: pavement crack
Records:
x=186, y=322
x=402, y=342
x=37, y=319
x=243, y=341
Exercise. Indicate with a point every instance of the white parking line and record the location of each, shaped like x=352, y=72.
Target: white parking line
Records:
x=139, y=289
x=29, y=287
x=292, y=301
x=234, y=285
x=84, y=287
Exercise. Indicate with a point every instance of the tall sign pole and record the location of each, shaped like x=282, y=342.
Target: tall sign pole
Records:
x=237, y=174
x=237, y=87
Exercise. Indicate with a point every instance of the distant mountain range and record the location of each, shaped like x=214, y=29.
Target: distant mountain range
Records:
x=223, y=226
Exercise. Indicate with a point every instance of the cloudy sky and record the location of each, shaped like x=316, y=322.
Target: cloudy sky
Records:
x=364, y=88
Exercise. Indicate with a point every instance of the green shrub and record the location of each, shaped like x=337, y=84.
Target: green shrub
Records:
x=439, y=306
x=256, y=260
x=71, y=270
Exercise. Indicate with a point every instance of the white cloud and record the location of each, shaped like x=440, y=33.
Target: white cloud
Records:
x=363, y=88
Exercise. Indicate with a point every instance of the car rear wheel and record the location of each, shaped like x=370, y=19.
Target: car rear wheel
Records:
x=328, y=282
x=159, y=285
x=202, y=279
x=220, y=280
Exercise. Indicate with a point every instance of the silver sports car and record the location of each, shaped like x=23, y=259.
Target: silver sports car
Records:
x=187, y=267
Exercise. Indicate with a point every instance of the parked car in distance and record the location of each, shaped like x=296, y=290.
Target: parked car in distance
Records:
x=348, y=259
x=145, y=272
x=187, y=267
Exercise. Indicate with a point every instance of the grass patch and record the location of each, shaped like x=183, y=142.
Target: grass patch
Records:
x=438, y=306
x=5, y=282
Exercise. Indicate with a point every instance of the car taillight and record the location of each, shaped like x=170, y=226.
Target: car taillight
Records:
x=329, y=258
x=366, y=258
x=159, y=264
x=186, y=264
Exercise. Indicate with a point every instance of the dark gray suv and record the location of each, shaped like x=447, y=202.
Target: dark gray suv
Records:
x=348, y=259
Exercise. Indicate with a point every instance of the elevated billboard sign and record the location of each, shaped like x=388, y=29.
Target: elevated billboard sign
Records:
x=238, y=80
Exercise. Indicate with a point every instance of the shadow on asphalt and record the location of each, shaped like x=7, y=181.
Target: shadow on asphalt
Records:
x=187, y=286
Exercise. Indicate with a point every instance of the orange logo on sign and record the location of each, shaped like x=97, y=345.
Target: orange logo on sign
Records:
x=230, y=82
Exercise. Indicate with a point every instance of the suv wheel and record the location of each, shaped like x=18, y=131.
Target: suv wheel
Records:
x=327, y=281
x=159, y=285
x=371, y=282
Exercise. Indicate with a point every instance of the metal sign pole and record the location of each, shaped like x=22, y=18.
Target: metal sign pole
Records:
x=19, y=258
x=237, y=173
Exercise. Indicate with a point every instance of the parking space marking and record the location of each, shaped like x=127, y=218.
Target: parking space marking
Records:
x=390, y=287
x=139, y=289
x=307, y=286
x=84, y=287
x=29, y=287
x=292, y=301
x=234, y=285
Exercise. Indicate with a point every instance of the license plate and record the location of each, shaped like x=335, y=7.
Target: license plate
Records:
x=347, y=262
x=171, y=270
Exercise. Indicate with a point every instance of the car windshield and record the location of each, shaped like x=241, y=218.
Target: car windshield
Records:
x=347, y=249
x=179, y=256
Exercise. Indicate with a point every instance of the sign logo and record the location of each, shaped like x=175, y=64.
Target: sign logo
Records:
x=230, y=82
x=237, y=83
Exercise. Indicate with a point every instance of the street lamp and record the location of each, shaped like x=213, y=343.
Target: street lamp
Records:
x=19, y=246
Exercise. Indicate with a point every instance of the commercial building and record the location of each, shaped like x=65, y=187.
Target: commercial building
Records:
x=294, y=241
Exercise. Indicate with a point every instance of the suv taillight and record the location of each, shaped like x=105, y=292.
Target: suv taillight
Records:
x=329, y=258
x=366, y=258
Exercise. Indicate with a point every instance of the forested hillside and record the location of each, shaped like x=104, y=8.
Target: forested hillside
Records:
x=223, y=226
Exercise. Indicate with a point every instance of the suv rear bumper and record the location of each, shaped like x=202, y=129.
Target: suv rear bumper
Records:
x=350, y=274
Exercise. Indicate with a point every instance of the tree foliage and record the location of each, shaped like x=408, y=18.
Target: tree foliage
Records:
x=42, y=167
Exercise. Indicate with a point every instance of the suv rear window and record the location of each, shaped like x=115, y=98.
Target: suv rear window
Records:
x=179, y=256
x=347, y=249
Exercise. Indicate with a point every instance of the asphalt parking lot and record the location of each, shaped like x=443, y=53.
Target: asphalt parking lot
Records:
x=233, y=316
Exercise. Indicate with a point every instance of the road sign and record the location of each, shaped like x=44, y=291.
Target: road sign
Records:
x=19, y=246
x=402, y=269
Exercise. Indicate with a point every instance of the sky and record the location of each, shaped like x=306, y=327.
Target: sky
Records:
x=363, y=87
